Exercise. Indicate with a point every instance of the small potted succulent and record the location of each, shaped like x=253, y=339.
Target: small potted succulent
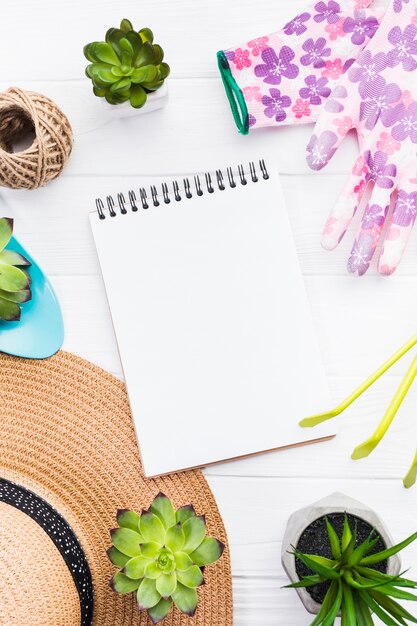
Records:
x=14, y=280
x=161, y=555
x=128, y=70
x=342, y=562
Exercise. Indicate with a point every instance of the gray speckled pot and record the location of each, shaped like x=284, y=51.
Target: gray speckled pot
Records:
x=335, y=503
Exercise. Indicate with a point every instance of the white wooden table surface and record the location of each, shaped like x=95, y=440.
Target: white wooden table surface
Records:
x=359, y=321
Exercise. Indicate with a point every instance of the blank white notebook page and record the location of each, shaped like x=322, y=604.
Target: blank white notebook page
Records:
x=213, y=325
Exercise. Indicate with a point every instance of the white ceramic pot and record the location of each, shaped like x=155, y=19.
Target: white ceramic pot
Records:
x=155, y=100
x=335, y=503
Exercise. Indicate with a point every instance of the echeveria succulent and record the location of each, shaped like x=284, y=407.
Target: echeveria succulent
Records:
x=356, y=589
x=127, y=66
x=14, y=281
x=160, y=554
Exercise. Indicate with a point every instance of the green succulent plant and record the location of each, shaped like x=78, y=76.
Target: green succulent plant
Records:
x=161, y=554
x=127, y=66
x=357, y=590
x=14, y=281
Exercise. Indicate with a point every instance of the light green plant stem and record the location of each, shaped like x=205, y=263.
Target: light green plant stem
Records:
x=367, y=446
x=308, y=422
x=411, y=477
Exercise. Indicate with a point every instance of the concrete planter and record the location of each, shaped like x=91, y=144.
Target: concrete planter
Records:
x=335, y=503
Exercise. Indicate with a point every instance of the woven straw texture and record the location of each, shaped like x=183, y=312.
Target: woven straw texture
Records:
x=23, y=113
x=68, y=436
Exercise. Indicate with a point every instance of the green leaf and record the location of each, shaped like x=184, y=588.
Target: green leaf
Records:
x=137, y=96
x=322, y=570
x=122, y=584
x=153, y=86
x=335, y=608
x=392, y=607
x=145, y=56
x=152, y=570
x=306, y=581
x=121, y=85
x=105, y=53
x=107, y=77
x=128, y=519
x=191, y=577
x=113, y=37
x=144, y=74
x=147, y=595
x=152, y=528
x=379, y=612
x=150, y=549
x=146, y=35
x=175, y=538
x=126, y=541
x=126, y=47
x=194, y=532
x=185, y=599
x=22, y=296
x=359, y=552
x=334, y=540
x=116, y=557
x=89, y=52
x=164, y=70
x=10, y=257
x=126, y=25
x=209, y=551
x=9, y=311
x=363, y=612
x=6, y=231
x=348, y=610
x=99, y=92
x=162, y=507
x=184, y=513
x=166, y=584
x=159, y=53
x=375, y=575
x=385, y=554
x=12, y=278
x=347, y=534
x=182, y=561
x=135, y=41
x=158, y=612
x=135, y=567
x=329, y=598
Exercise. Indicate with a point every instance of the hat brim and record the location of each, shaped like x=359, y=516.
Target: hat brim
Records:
x=69, y=437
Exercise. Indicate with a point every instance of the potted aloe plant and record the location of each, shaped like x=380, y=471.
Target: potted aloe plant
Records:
x=342, y=562
x=14, y=279
x=127, y=70
x=161, y=554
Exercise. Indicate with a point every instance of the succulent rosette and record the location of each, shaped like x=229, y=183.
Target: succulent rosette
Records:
x=127, y=66
x=161, y=554
x=14, y=281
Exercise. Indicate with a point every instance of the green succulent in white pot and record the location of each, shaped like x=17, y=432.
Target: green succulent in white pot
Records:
x=161, y=555
x=128, y=70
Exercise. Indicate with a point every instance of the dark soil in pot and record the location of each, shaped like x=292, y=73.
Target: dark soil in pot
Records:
x=315, y=540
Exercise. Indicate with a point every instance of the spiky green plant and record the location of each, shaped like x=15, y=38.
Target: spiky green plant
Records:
x=127, y=66
x=356, y=589
x=14, y=281
x=161, y=553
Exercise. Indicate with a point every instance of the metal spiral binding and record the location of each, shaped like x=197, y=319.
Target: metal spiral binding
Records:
x=152, y=197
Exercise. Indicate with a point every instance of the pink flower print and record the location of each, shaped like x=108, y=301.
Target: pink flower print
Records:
x=414, y=18
x=343, y=125
x=360, y=166
x=387, y=143
x=241, y=59
x=361, y=4
x=406, y=98
x=258, y=45
x=252, y=93
x=333, y=69
x=301, y=108
x=335, y=30
x=359, y=189
x=328, y=229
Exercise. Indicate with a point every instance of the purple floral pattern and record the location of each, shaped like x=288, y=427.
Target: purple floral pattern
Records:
x=314, y=44
x=321, y=149
x=276, y=104
x=381, y=172
x=327, y=11
x=360, y=26
x=297, y=26
x=362, y=253
x=333, y=104
x=377, y=98
x=405, y=47
x=276, y=67
x=316, y=52
x=405, y=210
x=398, y=5
x=315, y=89
x=368, y=68
x=373, y=217
x=405, y=122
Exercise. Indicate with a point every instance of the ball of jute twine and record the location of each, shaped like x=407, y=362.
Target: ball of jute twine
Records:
x=23, y=113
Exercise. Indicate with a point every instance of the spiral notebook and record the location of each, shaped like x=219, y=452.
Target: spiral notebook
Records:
x=211, y=317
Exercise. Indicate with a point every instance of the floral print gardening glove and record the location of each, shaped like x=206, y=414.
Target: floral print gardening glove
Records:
x=377, y=97
x=284, y=77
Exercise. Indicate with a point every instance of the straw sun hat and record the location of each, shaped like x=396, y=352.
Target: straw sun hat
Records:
x=68, y=461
